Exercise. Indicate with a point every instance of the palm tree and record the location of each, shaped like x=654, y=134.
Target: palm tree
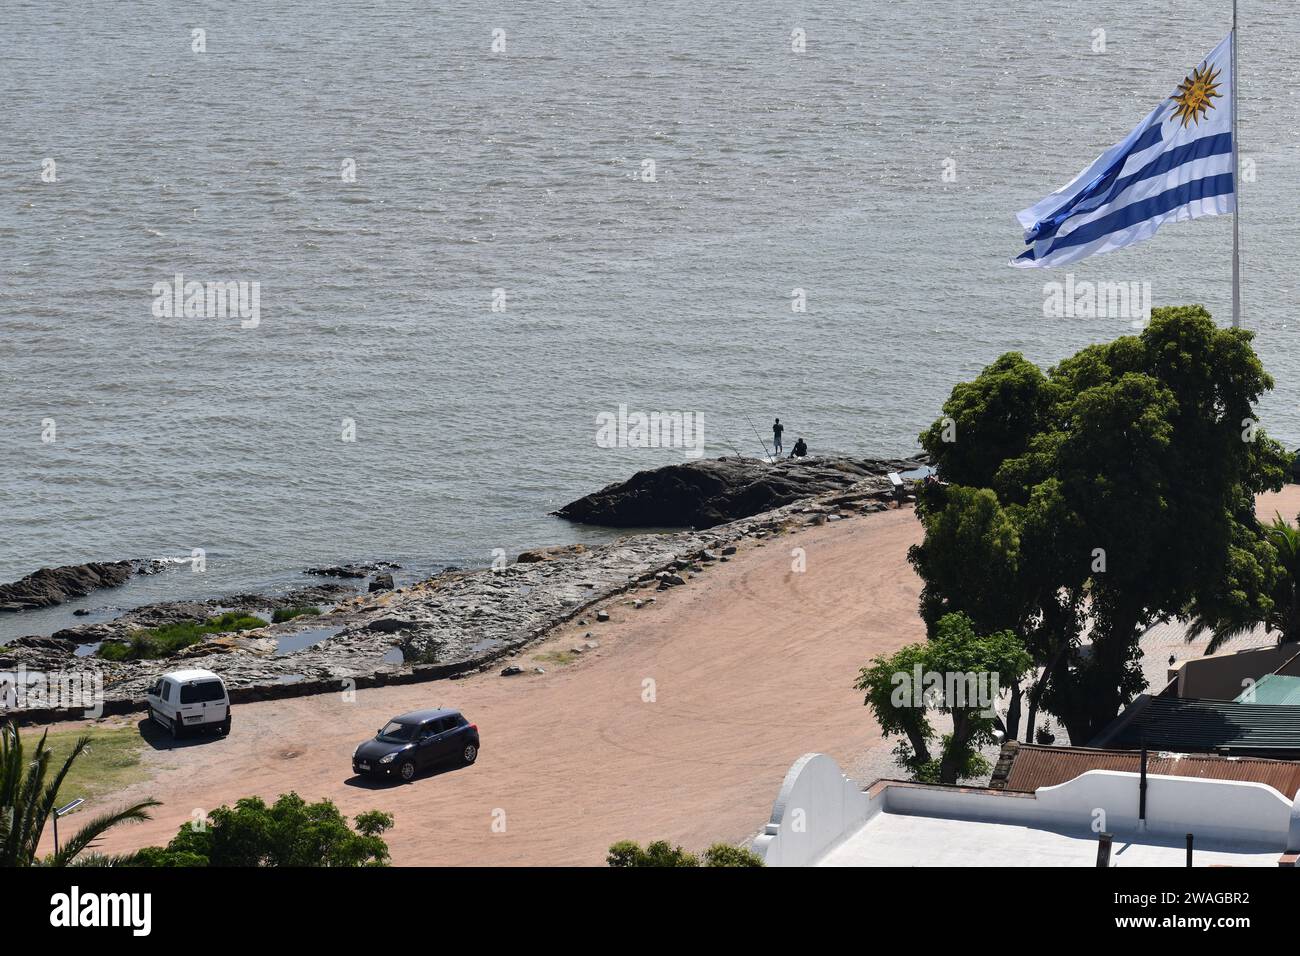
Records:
x=1283, y=613
x=26, y=802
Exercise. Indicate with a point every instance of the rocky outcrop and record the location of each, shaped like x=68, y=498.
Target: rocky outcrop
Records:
x=353, y=570
x=53, y=644
x=549, y=554
x=703, y=494
x=320, y=594
x=50, y=586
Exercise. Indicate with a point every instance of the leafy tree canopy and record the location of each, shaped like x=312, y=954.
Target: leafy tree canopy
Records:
x=629, y=853
x=289, y=832
x=958, y=672
x=1085, y=503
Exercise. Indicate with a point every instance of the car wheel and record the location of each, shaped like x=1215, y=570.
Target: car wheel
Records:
x=224, y=728
x=469, y=754
x=175, y=727
x=406, y=771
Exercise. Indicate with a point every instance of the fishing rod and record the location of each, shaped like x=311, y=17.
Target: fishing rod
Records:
x=770, y=461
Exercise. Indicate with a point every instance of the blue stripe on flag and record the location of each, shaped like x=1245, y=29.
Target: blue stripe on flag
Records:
x=1139, y=212
x=1071, y=205
x=1202, y=148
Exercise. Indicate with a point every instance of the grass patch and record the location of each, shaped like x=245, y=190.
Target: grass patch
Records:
x=170, y=638
x=111, y=762
x=556, y=657
x=282, y=614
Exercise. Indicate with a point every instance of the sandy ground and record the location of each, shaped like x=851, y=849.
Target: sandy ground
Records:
x=680, y=726
x=1286, y=502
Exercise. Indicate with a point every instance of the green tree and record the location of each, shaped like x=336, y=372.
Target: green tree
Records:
x=289, y=832
x=629, y=853
x=27, y=800
x=958, y=672
x=724, y=854
x=660, y=853
x=1125, y=476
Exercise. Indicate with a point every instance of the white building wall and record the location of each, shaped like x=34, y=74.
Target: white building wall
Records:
x=818, y=807
x=1228, y=811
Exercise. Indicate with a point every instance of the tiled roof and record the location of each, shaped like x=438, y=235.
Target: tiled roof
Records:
x=1026, y=767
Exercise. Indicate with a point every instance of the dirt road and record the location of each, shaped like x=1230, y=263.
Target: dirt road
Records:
x=680, y=726
x=750, y=666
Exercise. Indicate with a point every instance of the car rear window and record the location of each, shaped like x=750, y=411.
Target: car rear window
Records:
x=200, y=692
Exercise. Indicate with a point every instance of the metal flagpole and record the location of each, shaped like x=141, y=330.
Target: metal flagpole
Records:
x=1236, y=186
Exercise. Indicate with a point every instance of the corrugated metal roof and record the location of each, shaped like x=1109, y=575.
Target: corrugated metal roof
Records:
x=1033, y=767
x=1203, y=726
x=1272, y=689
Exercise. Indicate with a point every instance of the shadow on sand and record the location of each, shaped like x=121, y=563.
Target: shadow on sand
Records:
x=383, y=783
x=160, y=739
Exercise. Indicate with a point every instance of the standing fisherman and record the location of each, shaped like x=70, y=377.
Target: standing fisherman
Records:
x=777, y=428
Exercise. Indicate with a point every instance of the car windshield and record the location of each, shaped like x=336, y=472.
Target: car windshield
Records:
x=199, y=692
x=398, y=731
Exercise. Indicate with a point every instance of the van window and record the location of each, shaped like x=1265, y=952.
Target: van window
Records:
x=201, y=691
x=167, y=690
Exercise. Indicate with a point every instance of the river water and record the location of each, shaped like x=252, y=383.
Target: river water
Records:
x=505, y=268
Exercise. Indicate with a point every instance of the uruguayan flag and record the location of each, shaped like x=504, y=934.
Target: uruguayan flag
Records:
x=1178, y=164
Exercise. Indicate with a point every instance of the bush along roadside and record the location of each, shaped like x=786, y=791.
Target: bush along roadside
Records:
x=289, y=832
x=629, y=853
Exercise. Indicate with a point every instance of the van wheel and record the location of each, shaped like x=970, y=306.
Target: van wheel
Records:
x=175, y=727
x=406, y=771
x=469, y=754
x=224, y=728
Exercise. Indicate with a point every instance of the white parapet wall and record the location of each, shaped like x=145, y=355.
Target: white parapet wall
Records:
x=818, y=807
x=1224, y=811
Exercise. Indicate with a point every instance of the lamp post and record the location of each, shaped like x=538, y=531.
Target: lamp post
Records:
x=63, y=811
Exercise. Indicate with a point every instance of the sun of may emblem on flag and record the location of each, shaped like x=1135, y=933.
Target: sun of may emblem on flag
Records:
x=1195, y=95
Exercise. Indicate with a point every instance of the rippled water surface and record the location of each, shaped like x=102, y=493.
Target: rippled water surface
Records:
x=523, y=171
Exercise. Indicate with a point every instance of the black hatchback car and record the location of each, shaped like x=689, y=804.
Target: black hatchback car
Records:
x=411, y=742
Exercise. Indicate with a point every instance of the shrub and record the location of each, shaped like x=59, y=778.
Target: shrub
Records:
x=724, y=854
x=282, y=614
x=170, y=638
x=629, y=853
x=289, y=832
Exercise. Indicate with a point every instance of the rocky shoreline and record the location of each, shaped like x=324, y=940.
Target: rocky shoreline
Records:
x=454, y=623
x=51, y=586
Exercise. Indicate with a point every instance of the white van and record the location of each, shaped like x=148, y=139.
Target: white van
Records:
x=186, y=700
